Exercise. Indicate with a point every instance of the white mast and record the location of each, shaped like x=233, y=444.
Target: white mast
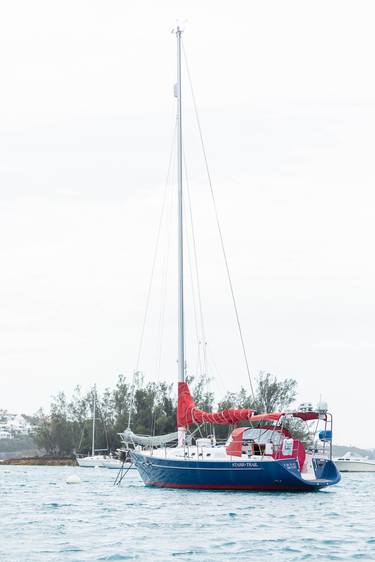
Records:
x=93, y=424
x=180, y=241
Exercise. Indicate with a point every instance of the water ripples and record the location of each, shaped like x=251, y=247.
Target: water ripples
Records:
x=45, y=520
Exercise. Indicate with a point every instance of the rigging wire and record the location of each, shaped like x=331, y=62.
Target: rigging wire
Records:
x=81, y=438
x=218, y=223
x=165, y=269
x=164, y=286
x=195, y=255
x=215, y=369
x=199, y=362
x=156, y=248
x=104, y=425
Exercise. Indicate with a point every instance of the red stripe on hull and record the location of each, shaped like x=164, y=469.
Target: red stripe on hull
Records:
x=268, y=487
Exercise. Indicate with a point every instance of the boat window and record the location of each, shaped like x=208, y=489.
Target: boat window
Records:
x=258, y=448
x=262, y=435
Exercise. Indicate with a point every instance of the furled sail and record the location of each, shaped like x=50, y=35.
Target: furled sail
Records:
x=147, y=440
x=187, y=411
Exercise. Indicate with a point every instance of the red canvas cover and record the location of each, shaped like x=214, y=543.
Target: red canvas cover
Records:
x=298, y=453
x=187, y=411
x=274, y=416
x=234, y=448
x=307, y=416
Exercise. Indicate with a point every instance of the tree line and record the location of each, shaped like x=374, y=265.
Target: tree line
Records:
x=67, y=427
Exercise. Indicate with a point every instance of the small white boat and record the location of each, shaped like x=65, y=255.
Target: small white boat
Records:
x=100, y=460
x=103, y=461
x=111, y=462
x=91, y=461
x=350, y=463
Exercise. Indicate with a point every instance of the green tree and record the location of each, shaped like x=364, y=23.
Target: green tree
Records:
x=203, y=397
x=273, y=395
x=68, y=427
x=55, y=433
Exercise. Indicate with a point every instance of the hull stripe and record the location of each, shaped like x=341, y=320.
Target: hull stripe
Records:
x=229, y=468
x=227, y=486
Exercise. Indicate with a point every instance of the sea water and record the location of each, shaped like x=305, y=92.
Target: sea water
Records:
x=44, y=519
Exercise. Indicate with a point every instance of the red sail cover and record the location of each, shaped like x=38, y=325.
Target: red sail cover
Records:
x=188, y=413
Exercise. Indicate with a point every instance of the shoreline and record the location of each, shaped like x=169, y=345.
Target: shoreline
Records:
x=40, y=461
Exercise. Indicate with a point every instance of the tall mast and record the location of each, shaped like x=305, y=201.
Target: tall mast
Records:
x=180, y=240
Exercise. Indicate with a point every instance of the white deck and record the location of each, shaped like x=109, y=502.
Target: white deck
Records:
x=217, y=454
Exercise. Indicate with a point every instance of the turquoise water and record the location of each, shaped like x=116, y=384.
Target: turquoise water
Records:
x=44, y=519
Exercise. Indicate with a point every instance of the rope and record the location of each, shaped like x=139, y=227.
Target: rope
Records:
x=122, y=473
x=218, y=224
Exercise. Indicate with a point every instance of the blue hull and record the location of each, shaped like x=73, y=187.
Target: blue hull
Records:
x=280, y=475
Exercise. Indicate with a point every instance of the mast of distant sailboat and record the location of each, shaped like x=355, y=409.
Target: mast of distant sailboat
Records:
x=93, y=424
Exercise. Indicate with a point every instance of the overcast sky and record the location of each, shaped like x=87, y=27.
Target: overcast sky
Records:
x=286, y=94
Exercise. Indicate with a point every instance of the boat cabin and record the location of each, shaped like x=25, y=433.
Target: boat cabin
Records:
x=264, y=441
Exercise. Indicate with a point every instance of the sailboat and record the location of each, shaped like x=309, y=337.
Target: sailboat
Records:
x=263, y=455
x=102, y=460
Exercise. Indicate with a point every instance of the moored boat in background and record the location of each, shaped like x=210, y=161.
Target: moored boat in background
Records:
x=103, y=459
x=351, y=463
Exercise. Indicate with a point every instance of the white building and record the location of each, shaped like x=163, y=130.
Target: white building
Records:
x=4, y=433
x=13, y=425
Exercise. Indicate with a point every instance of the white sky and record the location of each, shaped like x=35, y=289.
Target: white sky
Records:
x=286, y=92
